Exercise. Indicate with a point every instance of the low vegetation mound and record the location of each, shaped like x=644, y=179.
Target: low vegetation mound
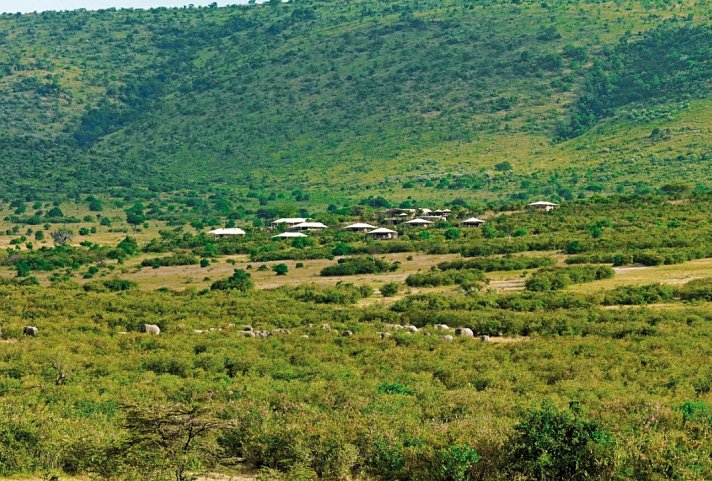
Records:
x=468, y=279
x=349, y=266
x=555, y=278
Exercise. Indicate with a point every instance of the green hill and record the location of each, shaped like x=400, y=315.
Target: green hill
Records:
x=329, y=102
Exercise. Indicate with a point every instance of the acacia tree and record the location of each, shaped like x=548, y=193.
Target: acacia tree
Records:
x=170, y=440
x=135, y=215
x=62, y=236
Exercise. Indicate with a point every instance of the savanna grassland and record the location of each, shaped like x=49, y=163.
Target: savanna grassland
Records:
x=565, y=345
x=584, y=351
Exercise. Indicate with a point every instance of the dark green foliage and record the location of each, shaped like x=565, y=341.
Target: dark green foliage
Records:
x=135, y=215
x=49, y=259
x=350, y=266
x=110, y=285
x=647, y=257
x=452, y=233
x=554, y=278
x=465, y=277
x=667, y=63
x=389, y=289
x=457, y=463
x=699, y=411
x=505, y=263
x=129, y=245
x=553, y=444
x=176, y=259
x=280, y=269
x=393, y=388
x=341, y=249
x=342, y=293
x=240, y=280
x=637, y=295
x=697, y=290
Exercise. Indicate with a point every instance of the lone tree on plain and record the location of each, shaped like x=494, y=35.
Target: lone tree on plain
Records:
x=62, y=236
x=135, y=215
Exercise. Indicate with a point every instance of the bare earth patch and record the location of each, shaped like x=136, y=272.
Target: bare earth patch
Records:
x=506, y=340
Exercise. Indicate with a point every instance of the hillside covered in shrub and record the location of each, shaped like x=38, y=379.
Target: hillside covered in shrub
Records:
x=497, y=99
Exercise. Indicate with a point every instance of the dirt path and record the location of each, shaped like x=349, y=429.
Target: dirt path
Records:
x=636, y=275
x=507, y=285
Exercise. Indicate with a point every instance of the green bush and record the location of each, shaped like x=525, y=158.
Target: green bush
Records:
x=555, y=278
x=637, y=295
x=240, y=280
x=504, y=263
x=553, y=444
x=437, y=278
x=176, y=259
x=349, y=266
x=280, y=269
x=697, y=290
x=389, y=289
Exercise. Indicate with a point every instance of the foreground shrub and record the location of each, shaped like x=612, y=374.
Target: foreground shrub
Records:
x=553, y=444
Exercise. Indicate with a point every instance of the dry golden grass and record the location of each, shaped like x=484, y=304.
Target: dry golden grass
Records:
x=181, y=277
x=675, y=274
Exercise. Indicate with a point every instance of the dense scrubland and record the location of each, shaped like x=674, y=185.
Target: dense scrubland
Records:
x=412, y=406
x=336, y=381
